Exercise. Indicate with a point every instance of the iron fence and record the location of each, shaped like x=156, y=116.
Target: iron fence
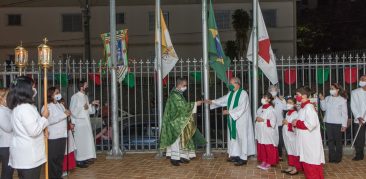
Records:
x=137, y=114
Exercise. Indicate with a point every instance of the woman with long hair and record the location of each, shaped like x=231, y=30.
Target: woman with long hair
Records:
x=27, y=148
x=6, y=133
x=57, y=129
x=336, y=116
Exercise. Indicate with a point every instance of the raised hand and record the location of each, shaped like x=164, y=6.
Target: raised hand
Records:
x=321, y=96
x=199, y=103
x=207, y=101
x=45, y=113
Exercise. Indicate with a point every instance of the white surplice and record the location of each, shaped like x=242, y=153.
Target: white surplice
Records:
x=83, y=134
x=289, y=137
x=309, y=140
x=263, y=133
x=358, y=104
x=244, y=144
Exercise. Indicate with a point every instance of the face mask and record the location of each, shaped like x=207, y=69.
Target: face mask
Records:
x=290, y=106
x=362, y=84
x=264, y=101
x=34, y=92
x=58, y=97
x=274, y=93
x=333, y=92
x=231, y=87
x=298, y=98
x=183, y=89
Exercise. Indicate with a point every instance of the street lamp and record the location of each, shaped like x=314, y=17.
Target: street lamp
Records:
x=45, y=61
x=21, y=58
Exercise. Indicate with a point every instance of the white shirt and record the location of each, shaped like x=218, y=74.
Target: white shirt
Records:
x=6, y=130
x=27, y=149
x=335, y=110
x=358, y=104
x=57, y=121
x=279, y=107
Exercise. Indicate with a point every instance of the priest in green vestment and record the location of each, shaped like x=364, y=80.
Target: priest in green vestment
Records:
x=241, y=143
x=179, y=133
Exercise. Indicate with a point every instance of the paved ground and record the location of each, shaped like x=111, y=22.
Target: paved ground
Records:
x=146, y=166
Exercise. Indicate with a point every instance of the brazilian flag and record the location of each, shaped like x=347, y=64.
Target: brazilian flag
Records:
x=219, y=62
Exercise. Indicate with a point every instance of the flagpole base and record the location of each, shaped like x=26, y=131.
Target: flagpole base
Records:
x=207, y=156
x=115, y=156
x=159, y=155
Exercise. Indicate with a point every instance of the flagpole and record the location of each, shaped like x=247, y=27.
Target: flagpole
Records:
x=116, y=152
x=207, y=155
x=158, y=67
x=255, y=57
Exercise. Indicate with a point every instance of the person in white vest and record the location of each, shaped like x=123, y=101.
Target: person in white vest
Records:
x=27, y=148
x=289, y=138
x=6, y=133
x=336, y=117
x=279, y=104
x=57, y=128
x=81, y=110
x=358, y=107
x=266, y=133
x=309, y=139
x=241, y=142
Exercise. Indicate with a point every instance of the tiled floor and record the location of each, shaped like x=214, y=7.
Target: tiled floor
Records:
x=146, y=166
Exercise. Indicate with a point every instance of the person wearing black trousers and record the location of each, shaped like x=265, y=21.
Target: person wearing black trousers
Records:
x=57, y=132
x=279, y=104
x=6, y=132
x=336, y=116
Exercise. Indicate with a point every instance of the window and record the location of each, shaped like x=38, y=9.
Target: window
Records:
x=270, y=17
x=223, y=20
x=14, y=19
x=152, y=20
x=120, y=18
x=71, y=23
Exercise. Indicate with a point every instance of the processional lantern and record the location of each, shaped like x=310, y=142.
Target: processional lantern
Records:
x=21, y=58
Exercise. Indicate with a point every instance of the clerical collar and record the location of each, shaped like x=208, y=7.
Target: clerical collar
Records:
x=305, y=103
x=290, y=112
x=265, y=106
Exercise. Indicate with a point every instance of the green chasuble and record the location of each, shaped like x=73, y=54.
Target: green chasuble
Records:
x=231, y=122
x=178, y=121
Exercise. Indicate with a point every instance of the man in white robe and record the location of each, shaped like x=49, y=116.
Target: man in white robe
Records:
x=241, y=143
x=358, y=107
x=80, y=118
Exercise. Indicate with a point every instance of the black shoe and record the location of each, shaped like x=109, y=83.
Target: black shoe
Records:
x=183, y=160
x=289, y=173
x=233, y=159
x=240, y=162
x=357, y=158
x=167, y=157
x=89, y=162
x=175, y=162
x=81, y=165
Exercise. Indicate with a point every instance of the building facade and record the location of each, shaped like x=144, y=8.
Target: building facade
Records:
x=62, y=23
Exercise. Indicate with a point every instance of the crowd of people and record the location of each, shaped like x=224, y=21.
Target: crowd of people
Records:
x=22, y=130
x=291, y=123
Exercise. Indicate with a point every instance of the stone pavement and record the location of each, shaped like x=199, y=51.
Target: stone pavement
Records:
x=146, y=166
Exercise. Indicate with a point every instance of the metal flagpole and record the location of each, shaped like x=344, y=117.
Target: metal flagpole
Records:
x=116, y=152
x=206, y=70
x=255, y=57
x=159, y=75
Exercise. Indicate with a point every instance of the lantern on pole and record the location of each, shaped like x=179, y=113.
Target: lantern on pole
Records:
x=21, y=58
x=45, y=61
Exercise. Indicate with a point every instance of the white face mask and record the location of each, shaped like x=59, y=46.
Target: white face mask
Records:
x=274, y=93
x=264, y=101
x=34, y=92
x=362, y=84
x=333, y=92
x=183, y=89
x=290, y=106
x=58, y=97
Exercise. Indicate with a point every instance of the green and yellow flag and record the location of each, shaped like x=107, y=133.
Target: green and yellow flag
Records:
x=219, y=62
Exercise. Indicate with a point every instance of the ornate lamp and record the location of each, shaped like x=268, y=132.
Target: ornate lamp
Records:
x=21, y=58
x=45, y=61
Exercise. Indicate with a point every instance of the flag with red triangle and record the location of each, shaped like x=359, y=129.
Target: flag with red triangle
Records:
x=266, y=57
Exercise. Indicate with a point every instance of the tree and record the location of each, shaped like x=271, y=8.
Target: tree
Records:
x=241, y=24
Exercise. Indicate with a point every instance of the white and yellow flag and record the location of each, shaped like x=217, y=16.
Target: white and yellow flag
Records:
x=168, y=55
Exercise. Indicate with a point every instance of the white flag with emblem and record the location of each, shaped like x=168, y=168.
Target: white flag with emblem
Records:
x=266, y=57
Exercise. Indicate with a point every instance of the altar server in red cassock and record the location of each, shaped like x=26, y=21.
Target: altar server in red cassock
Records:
x=266, y=134
x=310, y=146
